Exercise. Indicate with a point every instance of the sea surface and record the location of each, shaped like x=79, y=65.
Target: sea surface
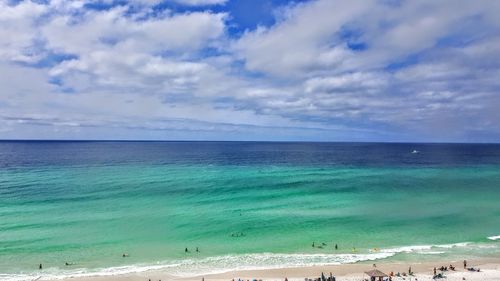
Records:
x=244, y=205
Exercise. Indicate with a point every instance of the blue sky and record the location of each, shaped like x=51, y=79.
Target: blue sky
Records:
x=323, y=70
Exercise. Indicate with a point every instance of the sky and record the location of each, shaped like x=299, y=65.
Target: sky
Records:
x=276, y=70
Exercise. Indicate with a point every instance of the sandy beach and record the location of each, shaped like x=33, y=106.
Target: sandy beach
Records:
x=490, y=270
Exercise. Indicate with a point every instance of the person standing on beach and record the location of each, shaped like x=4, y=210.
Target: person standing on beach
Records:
x=465, y=264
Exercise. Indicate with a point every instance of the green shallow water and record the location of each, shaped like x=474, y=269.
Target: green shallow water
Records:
x=91, y=215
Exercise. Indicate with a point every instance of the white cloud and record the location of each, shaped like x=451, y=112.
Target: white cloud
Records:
x=120, y=53
x=201, y=2
x=16, y=32
x=305, y=40
x=183, y=2
x=349, y=82
x=112, y=30
x=420, y=67
x=311, y=37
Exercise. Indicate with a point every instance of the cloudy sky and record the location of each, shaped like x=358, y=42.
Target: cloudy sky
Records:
x=324, y=70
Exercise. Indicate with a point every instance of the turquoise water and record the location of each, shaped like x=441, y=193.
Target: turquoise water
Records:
x=90, y=214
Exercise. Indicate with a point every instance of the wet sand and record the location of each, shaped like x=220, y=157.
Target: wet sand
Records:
x=490, y=270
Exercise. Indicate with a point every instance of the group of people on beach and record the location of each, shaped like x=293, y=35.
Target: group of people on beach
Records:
x=321, y=278
x=389, y=278
x=444, y=268
x=452, y=268
x=391, y=274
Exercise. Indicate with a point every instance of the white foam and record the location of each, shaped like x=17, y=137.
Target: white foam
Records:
x=210, y=265
x=433, y=253
x=462, y=244
x=425, y=249
x=407, y=249
x=494, y=237
x=270, y=260
x=226, y=263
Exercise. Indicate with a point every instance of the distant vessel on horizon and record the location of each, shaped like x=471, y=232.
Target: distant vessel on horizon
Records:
x=415, y=151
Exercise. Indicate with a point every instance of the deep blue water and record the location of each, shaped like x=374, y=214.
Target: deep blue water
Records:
x=49, y=153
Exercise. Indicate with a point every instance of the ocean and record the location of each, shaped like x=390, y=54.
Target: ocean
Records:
x=241, y=205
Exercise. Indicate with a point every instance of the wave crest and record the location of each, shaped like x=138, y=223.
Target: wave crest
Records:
x=226, y=263
x=210, y=265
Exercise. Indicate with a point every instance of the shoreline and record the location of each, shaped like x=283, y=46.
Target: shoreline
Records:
x=490, y=270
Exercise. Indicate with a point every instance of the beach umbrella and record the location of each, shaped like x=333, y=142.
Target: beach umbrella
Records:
x=375, y=273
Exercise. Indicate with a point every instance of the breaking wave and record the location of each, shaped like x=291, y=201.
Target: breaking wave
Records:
x=227, y=263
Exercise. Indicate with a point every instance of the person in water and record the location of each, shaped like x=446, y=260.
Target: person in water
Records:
x=40, y=266
x=186, y=250
x=313, y=245
x=336, y=247
x=197, y=250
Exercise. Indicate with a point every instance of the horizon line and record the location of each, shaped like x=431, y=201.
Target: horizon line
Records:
x=242, y=141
